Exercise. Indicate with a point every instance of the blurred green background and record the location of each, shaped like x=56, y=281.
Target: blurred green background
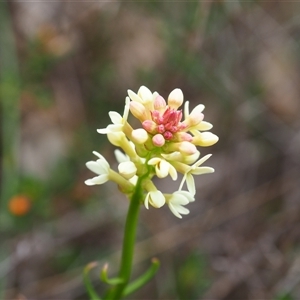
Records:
x=64, y=65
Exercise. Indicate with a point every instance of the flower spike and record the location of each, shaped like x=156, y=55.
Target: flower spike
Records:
x=164, y=143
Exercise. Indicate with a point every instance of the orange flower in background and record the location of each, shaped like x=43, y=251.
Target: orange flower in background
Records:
x=19, y=205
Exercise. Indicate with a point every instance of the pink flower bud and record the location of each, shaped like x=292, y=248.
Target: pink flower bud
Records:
x=168, y=135
x=161, y=128
x=156, y=116
x=149, y=126
x=158, y=140
x=183, y=136
x=187, y=148
x=175, y=98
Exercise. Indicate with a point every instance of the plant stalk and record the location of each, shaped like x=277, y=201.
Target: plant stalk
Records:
x=128, y=243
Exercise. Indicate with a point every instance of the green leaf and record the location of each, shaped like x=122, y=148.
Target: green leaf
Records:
x=111, y=281
x=87, y=282
x=143, y=279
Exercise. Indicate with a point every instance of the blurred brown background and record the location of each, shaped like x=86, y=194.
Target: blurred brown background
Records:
x=64, y=65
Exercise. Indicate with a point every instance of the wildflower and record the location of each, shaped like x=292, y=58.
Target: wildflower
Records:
x=117, y=120
x=139, y=136
x=163, y=168
x=163, y=143
x=195, y=170
x=204, y=139
x=155, y=198
x=177, y=200
x=100, y=167
x=127, y=169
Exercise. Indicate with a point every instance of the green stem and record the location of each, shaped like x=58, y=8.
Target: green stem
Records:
x=128, y=243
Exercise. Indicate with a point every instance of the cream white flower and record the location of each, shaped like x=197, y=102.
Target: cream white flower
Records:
x=127, y=169
x=197, y=111
x=204, y=139
x=117, y=120
x=176, y=202
x=105, y=173
x=100, y=167
x=163, y=168
x=195, y=170
x=155, y=198
x=139, y=136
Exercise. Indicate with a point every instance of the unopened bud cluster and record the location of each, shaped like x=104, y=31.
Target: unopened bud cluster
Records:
x=164, y=144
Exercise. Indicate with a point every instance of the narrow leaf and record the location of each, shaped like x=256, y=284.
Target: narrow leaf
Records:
x=111, y=281
x=87, y=282
x=143, y=279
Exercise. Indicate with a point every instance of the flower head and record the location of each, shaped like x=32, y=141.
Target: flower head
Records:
x=164, y=143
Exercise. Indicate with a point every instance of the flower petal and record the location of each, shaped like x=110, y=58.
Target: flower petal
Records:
x=157, y=199
x=203, y=126
x=97, y=180
x=186, y=109
x=178, y=199
x=97, y=167
x=162, y=169
x=174, y=211
x=120, y=156
x=127, y=169
x=115, y=117
x=145, y=94
x=146, y=202
x=154, y=161
x=190, y=182
x=175, y=98
x=126, y=110
x=202, y=160
x=189, y=159
x=176, y=156
x=198, y=109
x=182, y=210
x=173, y=172
x=110, y=128
x=116, y=138
x=202, y=170
x=188, y=195
x=99, y=155
x=134, y=97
